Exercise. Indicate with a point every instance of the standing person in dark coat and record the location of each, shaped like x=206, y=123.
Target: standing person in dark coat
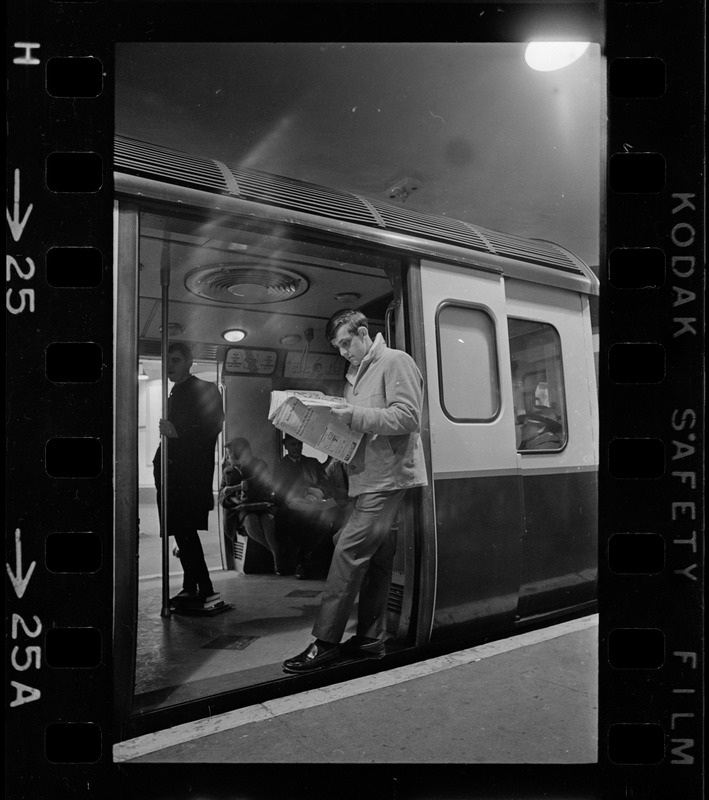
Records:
x=194, y=420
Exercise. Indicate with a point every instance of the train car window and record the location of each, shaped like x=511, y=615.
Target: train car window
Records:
x=468, y=376
x=538, y=386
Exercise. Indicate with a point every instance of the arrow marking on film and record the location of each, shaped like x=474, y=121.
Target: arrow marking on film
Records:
x=16, y=224
x=18, y=582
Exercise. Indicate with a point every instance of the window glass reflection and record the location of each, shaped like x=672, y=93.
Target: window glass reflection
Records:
x=538, y=386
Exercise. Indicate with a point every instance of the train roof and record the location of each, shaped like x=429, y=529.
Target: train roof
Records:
x=158, y=168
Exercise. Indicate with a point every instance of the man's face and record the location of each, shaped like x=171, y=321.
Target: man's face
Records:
x=294, y=448
x=352, y=346
x=240, y=458
x=178, y=368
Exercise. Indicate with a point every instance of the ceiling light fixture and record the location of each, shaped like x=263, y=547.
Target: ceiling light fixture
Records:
x=403, y=188
x=234, y=335
x=290, y=339
x=549, y=56
x=347, y=297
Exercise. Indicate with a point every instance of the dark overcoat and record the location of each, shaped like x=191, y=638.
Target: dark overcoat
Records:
x=195, y=409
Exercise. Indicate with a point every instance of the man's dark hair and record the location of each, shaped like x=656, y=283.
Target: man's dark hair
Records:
x=182, y=348
x=350, y=317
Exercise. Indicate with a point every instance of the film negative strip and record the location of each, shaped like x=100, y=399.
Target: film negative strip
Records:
x=651, y=623
x=66, y=354
x=58, y=301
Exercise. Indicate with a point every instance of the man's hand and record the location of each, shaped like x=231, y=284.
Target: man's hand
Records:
x=168, y=429
x=344, y=412
x=314, y=495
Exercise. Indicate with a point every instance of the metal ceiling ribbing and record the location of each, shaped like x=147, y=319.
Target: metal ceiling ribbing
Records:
x=430, y=226
x=151, y=161
x=146, y=159
x=290, y=193
x=534, y=250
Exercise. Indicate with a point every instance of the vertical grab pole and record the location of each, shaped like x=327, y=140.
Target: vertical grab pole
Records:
x=165, y=285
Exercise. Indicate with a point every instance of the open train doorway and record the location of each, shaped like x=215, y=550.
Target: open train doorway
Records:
x=276, y=288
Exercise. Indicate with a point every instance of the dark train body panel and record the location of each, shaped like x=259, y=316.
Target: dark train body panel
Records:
x=510, y=548
x=559, y=549
x=478, y=554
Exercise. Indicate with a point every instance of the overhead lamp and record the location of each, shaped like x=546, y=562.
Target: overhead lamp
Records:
x=290, y=339
x=234, y=335
x=549, y=56
x=347, y=297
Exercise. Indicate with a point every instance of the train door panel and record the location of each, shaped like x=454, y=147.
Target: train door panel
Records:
x=405, y=587
x=474, y=462
x=554, y=393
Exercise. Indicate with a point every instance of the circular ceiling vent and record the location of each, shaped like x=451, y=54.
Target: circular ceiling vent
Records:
x=240, y=284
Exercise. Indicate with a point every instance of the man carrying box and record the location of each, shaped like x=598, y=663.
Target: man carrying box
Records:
x=384, y=398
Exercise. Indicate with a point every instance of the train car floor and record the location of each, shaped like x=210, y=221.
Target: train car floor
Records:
x=527, y=699
x=186, y=657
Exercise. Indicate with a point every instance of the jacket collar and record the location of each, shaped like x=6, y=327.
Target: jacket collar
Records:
x=178, y=387
x=375, y=351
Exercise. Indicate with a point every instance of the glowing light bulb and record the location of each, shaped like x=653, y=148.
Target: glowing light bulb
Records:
x=548, y=56
x=234, y=335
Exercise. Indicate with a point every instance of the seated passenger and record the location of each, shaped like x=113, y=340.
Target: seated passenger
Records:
x=246, y=492
x=541, y=430
x=304, y=497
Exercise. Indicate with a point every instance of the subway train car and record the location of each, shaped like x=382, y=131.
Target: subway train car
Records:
x=504, y=535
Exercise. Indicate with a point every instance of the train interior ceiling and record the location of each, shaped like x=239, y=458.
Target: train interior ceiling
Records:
x=279, y=292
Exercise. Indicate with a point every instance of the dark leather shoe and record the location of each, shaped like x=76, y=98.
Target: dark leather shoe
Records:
x=185, y=594
x=358, y=646
x=314, y=656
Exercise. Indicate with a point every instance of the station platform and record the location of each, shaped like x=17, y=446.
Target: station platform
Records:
x=527, y=699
